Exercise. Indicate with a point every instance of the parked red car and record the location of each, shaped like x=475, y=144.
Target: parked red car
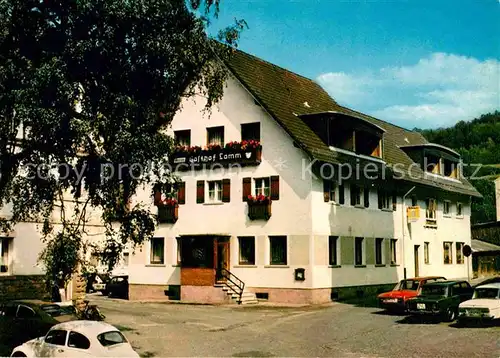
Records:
x=395, y=300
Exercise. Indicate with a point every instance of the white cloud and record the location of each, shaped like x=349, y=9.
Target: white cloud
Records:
x=436, y=91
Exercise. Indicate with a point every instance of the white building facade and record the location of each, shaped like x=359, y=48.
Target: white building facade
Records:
x=319, y=234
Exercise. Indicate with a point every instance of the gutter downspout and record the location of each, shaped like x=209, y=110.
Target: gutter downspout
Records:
x=403, y=228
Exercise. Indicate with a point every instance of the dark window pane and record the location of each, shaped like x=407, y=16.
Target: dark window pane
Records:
x=250, y=131
x=25, y=312
x=358, y=250
x=332, y=250
x=77, y=340
x=57, y=337
x=278, y=248
x=378, y=251
x=247, y=250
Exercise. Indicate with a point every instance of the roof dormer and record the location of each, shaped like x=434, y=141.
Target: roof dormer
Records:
x=435, y=159
x=347, y=132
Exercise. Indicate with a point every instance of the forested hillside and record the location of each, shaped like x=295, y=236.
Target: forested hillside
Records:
x=478, y=141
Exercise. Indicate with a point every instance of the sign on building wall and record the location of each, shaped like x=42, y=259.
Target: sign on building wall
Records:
x=413, y=213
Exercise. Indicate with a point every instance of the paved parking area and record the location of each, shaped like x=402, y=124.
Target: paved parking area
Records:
x=336, y=330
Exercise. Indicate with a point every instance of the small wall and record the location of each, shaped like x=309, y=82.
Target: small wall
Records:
x=294, y=296
x=204, y=294
x=147, y=292
x=23, y=287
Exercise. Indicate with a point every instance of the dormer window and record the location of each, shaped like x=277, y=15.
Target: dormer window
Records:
x=435, y=159
x=347, y=132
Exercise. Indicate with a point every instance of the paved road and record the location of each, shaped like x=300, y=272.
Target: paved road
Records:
x=336, y=330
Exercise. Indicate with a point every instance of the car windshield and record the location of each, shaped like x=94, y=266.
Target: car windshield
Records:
x=111, y=338
x=486, y=292
x=52, y=310
x=433, y=290
x=407, y=285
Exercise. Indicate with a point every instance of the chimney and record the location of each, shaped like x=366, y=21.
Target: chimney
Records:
x=497, y=192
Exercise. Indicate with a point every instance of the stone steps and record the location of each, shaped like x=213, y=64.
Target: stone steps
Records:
x=231, y=289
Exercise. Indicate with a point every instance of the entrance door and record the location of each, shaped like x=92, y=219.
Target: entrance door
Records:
x=222, y=259
x=416, y=247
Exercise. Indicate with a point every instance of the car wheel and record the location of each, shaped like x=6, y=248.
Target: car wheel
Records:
x=450, y=314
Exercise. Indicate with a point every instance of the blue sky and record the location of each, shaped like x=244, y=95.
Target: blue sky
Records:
x=417, y=63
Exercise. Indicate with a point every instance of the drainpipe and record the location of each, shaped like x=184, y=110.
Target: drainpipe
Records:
x=403, y=228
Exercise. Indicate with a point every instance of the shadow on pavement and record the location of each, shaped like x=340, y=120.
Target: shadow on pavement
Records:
x=390, y=313
x=371, y=302
x=419, y=320
x=475, y=324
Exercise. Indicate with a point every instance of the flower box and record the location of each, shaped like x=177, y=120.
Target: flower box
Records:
x=259, y=208
x=168, y=214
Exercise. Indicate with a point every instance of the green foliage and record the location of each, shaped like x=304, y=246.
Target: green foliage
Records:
x=478, y=142
x=92, y=83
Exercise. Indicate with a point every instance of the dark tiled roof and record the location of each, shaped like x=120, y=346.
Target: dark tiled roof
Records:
x=483, y=246
x=285, y=95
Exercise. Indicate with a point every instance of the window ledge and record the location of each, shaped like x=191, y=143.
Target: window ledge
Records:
x=334, y=203
x=156, y=265
x=429, y=226
x=359, y=207
x=380, y=265
x=276, y=266
x=334, y=266
x=176, y=265
x=214, y=203
x=389, y=210
x=394, y=265
x=245, y=266
x=447, y=215
x=459, y=216
x=359, y=266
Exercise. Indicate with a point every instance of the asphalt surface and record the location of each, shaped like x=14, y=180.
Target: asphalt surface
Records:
x=335, y=330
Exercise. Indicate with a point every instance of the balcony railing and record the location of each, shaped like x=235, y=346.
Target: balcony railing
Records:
x=259, y=211
x=186, y=158
x=168, y=214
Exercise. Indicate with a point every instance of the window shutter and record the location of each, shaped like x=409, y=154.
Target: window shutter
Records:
x=341, y=194
x=394, y=201
x=226, y=190
x=380, y=199
x=200, y=191
x=366, y=196
x=326, y=190
x=181, y=194
x=353, y=195
x=247, y=188
x=275, y=187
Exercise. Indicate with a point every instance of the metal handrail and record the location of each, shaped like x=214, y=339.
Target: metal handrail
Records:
x=228, y=275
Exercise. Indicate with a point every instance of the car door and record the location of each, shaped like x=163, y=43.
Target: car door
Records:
x=79, y=346
x=455, y=295
x=54, y=344
x=31, y=323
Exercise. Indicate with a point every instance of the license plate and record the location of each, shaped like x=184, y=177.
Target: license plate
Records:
x=421, y=306
x=391, y=300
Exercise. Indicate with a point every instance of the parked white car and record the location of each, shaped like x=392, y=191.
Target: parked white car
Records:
x=485, y=304
x=78, y=339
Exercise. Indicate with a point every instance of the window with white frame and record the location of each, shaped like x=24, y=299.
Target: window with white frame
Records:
x=333, y=250
x=459, y=209
x=426, y=253
x=214, y=191
x=278, y=250
x=183, y=137
x=447, y=253
x=459, y=247
x=446, y=208
x=157, y=255
x=357, y=195
x=394, y=251
x=262, y=186
x=430, y=211
x=4, y=254
x=385, y=200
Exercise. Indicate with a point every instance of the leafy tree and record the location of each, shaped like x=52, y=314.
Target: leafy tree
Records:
x=478, y=142
x=91, y=84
